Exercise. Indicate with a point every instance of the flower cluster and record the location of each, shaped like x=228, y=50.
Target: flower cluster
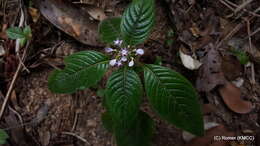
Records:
x=123, y=55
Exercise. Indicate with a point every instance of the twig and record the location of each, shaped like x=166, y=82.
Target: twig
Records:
x=250, y=50
x=242, y=6
x=75, y=121
x=227, y=5
x=258, y=9
x=245, y=10
x=256, y=31
x=13, y=110
x=233, y=32
x=77, y=136
x=21, y=22
x=230, y=34
x=13, y=81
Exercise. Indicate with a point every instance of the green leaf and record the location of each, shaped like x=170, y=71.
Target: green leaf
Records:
x=15, y=33
x=173, y=98
x=27, y=32
x=241, y=56
x=109, y=29
x=22, y=41
x=123, y=95
x=107, y=122
x=3, y=136
x=83, y=69
x=139, y=134
x=101, y=92
x=137, y=21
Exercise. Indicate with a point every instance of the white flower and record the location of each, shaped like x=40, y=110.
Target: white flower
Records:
x=139, y=51
x=113, y=62
x=131, y=63
x=108, y=50
x=119, y=63
x=124, y=52
x=118, y=42
x=124, y=59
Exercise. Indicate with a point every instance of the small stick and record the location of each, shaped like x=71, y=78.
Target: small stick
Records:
x=242, y=6
x=13, y=110
x=12, y=84
x=18, y=68
x=75, y=121
x=250, y=49
x=230, y=34
x=256, y=31
x=258, y=9
x=250, y=12
x=21, y=22
x=227, y=5
x=77, y=136
x=233, y=32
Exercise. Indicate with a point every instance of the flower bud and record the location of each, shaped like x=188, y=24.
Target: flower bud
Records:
x=118, y=42
x=112, y=62
x=124, y=59
x=139, y=51
x=108, y=50
x=131, y=63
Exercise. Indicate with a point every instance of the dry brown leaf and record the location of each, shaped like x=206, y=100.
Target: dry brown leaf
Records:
x=208, y=139
x=14, y=100
x=210, y=73
x=3, y=34
x=232, y=98
x=95, y=12
x=18, y=135
x=208, y=108
x=34, y=13
x=189, y=62
x=231, y=67
x=71, y=20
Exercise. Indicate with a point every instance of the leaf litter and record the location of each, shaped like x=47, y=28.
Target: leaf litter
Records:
x=205, y=28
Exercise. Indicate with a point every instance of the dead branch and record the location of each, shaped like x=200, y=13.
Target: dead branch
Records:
x=253, y=80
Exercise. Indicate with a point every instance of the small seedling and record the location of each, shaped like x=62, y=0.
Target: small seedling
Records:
x=169, y=38
x=23, y=35
x=241, y=56
x=3, y=136
x=171, y=95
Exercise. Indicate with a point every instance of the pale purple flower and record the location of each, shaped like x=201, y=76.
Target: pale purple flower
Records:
x=124, y=52
x=124, y=59
x=119, y=63
x=113, y=62
x=108, y=50
x=140, y=52
x=131, y=63
x=118, y=42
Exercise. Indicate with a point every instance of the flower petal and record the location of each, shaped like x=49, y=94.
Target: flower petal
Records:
x=124, y=52
x=113, y=62
x=131, y=63
x=124, y=59
x=118, y=42
x=108, y=50
x=119, y=63
x=139, y=51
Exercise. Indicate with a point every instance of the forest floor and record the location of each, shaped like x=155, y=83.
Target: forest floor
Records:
x=206, y=31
